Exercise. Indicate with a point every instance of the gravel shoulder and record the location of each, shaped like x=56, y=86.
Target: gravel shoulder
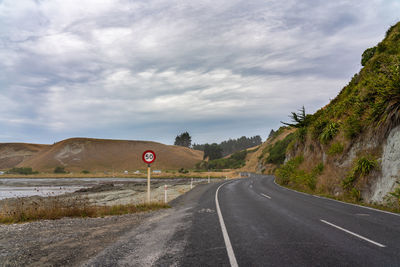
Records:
x=109, y=241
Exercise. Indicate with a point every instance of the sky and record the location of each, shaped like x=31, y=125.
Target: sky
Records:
x=152, y=69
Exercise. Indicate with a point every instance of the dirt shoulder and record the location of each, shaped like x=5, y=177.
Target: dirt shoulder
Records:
x=74, y=241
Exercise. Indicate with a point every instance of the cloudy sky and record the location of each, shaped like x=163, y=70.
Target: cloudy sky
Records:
x=151, y=69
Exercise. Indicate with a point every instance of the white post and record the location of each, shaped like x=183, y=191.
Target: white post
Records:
x=191, y=184
x=148, y=184
x=226, y=177
x=165, y=194
x=208, y=178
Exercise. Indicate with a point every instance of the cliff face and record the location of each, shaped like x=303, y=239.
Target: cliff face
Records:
x=351, y=147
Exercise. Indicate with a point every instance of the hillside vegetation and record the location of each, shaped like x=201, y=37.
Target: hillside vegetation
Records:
x=95, y=155
x=350, y=148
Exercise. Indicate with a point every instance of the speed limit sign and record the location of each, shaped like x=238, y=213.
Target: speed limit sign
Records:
x=149, y=156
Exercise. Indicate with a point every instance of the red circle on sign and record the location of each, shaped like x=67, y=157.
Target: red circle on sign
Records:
x=149, y=156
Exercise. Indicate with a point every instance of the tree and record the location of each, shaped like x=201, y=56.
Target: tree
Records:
x=300, y=119
x=213, y=151
x=59, y=169
x=183, y=139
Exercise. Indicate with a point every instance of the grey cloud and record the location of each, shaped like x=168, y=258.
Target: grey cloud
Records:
x=83, y=67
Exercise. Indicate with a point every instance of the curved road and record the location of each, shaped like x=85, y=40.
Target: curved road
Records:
x=266, y=225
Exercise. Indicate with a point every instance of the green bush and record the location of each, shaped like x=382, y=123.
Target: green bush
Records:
x=329, y=132
x=318, y=169
x=183, y=170
x=367, y=55
x=301, y=134
x=335, y=149
x=362, y=167
x=277, y=153
x=365, y=165
x=85, y=171
x=286, y=171
x=59, y=169
x=396, y=194
x=22, y=170
x=318, y=128
x=290, y=174
x=352, y=127
x=235, y=161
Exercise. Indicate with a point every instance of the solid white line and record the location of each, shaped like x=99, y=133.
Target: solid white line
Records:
x=228, y=245
x=357, y=235
x=265, y=196
x=331, y=199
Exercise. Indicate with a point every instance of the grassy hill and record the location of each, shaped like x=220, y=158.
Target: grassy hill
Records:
x=95, y=155
x=12, y=154
x=349, y=149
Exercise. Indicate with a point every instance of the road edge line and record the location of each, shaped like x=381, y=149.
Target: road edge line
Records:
x=360, y=206
x=228, y=245
x=354, y=234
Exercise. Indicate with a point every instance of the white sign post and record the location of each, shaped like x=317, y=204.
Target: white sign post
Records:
x=148, y=157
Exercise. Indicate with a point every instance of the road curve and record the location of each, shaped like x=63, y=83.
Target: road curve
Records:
x=269, y=225
x=265, y=224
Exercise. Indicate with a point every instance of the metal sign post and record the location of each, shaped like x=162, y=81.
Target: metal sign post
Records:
x=148, y=157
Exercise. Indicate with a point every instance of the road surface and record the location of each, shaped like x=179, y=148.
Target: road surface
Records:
x=254, y=222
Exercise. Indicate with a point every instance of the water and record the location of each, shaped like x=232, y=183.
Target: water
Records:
x=21, y=187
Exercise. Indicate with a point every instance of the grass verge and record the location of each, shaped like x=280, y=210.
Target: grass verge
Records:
x=55, y=208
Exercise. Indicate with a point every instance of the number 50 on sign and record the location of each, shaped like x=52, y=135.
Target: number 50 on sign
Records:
x=149, y=156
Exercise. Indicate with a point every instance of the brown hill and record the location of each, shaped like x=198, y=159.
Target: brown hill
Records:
x=77, y=154
x=11, y=154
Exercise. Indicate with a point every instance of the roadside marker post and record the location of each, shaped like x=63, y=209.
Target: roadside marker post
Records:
x=191, y=183
x=148, y=157
x=165, y=194
x=208, y=178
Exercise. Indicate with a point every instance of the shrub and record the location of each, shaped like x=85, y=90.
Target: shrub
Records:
x=235, y=161
x=352, y=127
x=329, y=132
x=335, y=149
x=85, y=171
x=59, y=170
x=285, y=172
x=277, y=153
x=22, y=170
x=318, y=169
x=364, y=166
x=396, y=194
x=367, y=55
x=318, y=128
x=183, y=170
x=301, y=134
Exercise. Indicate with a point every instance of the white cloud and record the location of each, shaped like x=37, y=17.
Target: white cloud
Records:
x=81, y=66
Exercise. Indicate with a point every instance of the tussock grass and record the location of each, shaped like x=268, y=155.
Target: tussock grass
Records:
x=57, y=208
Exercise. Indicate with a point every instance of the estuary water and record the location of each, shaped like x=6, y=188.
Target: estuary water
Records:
x=22, y=187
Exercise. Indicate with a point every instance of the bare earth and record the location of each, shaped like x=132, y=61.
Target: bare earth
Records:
x=74, y=241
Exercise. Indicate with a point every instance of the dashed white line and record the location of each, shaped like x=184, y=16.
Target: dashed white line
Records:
x=228, y=245
x=264, y=195
x=357, y=235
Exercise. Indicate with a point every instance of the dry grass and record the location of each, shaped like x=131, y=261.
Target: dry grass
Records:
x=168, y=174
x=96, y=155
x=56, y=208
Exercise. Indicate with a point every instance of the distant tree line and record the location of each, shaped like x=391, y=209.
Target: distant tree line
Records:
x=215, y=151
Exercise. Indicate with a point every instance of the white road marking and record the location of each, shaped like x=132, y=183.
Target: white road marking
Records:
x=264, y=195
x=360, y=206
x=357, y=235
x=228, y=245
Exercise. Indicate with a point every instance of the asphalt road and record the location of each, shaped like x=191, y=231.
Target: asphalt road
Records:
x=264, y=225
